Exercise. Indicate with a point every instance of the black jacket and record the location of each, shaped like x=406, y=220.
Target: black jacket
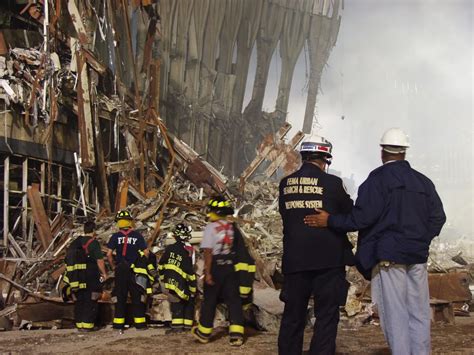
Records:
x=82, y=271
x=144, y=269
x=245, y=267
x=308, y=248
x=177, y=272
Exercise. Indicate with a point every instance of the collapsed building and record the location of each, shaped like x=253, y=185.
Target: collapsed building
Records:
x=107, y=104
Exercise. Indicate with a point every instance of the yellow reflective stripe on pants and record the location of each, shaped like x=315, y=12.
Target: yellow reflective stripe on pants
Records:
x=76, y=284
x=76, y=267
x=188, y=322
x=192, y=289
x=119, y=320
x=245, y=267
x=84, y=325
x=245, y=290
x=179, y=292
x=139, y=320
x=204, y=330
x=177, y=321
x=142, y=271
x=236, y=329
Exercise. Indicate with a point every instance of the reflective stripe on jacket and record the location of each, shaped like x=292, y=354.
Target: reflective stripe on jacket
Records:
x=177, y=272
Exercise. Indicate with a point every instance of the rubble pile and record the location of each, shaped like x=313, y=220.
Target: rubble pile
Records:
x=39, y=278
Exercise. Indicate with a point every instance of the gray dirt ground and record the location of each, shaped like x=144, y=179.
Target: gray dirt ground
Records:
x=447, y=339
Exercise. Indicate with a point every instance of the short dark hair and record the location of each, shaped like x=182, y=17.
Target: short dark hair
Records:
x=89, y=227
x=311, y=156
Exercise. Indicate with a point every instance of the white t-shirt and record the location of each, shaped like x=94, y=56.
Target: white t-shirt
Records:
x=218, y=236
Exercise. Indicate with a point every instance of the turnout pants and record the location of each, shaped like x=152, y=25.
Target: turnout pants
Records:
x=329, y=288
x=226, y=287
x=125, y=284
x=402, y=296
x=182, y=313
x=86, y=309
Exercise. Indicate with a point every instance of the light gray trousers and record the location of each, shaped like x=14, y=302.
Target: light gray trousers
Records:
x=403, y=302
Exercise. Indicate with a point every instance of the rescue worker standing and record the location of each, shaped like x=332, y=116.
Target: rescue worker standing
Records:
x=313, y=260
x=228, y=270
x=85, y=270
x=397, y=214
x=129, y=246
x=176, y=269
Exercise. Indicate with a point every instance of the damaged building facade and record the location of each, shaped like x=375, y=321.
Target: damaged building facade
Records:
x=113, y=103
x=110, y=103
x=83, y=83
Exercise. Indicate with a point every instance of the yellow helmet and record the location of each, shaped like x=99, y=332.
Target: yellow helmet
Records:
x=124, y=214
x=220, y=206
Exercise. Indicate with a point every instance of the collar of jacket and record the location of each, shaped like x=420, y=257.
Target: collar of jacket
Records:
x=310, y=166
x=393, y=162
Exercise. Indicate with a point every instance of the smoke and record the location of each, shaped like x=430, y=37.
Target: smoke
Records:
x=406, y=64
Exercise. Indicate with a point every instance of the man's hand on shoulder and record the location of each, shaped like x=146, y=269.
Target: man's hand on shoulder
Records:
x=318, y=219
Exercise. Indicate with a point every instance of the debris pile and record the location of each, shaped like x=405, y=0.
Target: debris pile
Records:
x=39, y=277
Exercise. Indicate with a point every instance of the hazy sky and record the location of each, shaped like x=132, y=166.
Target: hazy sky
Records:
x=400, y=63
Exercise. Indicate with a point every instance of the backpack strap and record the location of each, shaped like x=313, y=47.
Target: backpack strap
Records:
x=86, y=246
x=125, y=233
x=226, y=227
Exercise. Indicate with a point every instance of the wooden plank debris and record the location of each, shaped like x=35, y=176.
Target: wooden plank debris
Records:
x=6, y=200
x=121, y=166
x=24, y=199
x=45, y=311
x=451, y=286
x=122, y=195
x=40, y=217
x=286, y=156
x=264, y=150
x=84, y=109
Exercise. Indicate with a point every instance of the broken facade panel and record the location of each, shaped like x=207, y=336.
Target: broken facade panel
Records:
x=209, y=43
x=74, y=120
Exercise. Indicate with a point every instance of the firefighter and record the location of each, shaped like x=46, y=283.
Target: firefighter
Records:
x=176, y=269
x=130, y=248
x=85, y=270
x=228, y=270
x=313, y=259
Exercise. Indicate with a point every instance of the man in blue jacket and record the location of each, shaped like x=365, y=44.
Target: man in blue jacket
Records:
x=397, y=214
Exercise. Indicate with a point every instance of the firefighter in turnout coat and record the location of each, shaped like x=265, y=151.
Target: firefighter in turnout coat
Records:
x=132, y=267
x=228, y=270
x=178, y=280
x=84, y=270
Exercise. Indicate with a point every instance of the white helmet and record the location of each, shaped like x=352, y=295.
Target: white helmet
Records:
x=395, y=141
x=317, y=145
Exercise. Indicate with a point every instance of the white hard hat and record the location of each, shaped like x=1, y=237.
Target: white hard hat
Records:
x=317, y=145
x=395, y=141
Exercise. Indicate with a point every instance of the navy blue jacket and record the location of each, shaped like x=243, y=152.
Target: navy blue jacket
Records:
x=306, y=248
x=397, y=214
x=134, y=241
